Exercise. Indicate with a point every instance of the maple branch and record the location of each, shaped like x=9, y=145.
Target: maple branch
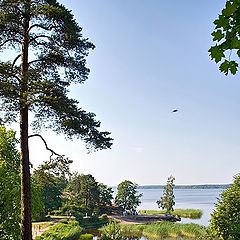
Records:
x=45, y=143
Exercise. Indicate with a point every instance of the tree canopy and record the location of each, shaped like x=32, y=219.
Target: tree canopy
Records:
x=167, y=200
x=56, y=52
x=227, y=38
x=127, y=196
x=225, y=219
x=49, y=54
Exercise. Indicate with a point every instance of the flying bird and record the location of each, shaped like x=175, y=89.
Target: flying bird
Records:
x=175, y=110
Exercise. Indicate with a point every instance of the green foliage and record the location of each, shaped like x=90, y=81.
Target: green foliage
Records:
x=55, y=39
x=112, y=232
x=48, y=55
x=226, y=35
x=69, y=207
x=51, y=181
x=166, y=229
x=105, y=197
x=84, y=191
x=127, y=196
x=58, y=59
x=10, y=187
x=86, y=236
x=186, y=213
x=67, y=231
x=167, y=200
x=225, y=219
x=104, y=218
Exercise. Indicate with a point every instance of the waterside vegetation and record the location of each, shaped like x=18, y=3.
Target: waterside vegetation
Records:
x=165, y=229
x=68, y=230
x=185, y=213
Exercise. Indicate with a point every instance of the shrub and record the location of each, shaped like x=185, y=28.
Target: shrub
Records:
x=86, y=236
x=104, y=218
x=93, y=219
x=78, y=217
x=63, y=220
x=112, y=232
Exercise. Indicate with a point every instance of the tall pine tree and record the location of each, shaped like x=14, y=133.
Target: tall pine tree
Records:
x=49, y=54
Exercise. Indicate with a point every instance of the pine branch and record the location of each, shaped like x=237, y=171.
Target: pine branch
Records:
x=39, y=36
x=15, y=60
x=45, y=143
x=47, y=28
x=10, y=40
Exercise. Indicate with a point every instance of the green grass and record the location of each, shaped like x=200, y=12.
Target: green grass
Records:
x=165, y=229
x=186, y=213
x=67, y=231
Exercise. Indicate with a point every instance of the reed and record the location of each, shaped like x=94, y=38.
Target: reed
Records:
x=186, y=213
x=166, y=229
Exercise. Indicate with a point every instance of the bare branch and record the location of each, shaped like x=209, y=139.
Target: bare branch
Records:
x=45, y=143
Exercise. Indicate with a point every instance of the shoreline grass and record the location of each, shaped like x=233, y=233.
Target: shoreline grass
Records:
x=165, y=229
x=185, y=213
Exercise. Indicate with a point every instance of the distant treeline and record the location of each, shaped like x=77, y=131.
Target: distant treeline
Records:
x=203, y=186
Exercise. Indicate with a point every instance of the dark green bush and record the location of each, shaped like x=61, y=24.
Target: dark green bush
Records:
x=78, y=217
x=104, y=218
x=64, y=220
x=93, y=219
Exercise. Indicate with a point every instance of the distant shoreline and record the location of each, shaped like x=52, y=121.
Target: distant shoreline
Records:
x=200, y=186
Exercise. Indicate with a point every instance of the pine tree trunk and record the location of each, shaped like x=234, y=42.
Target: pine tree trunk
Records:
x=26, y=209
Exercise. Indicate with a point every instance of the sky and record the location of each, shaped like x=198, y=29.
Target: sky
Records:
x=152, y=57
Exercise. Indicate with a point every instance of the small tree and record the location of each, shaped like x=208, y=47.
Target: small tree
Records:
x=225, y=219
x=167, y=200
x=127, y=196
x=226, y=36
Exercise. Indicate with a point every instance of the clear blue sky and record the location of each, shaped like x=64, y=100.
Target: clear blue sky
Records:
x=151, y=57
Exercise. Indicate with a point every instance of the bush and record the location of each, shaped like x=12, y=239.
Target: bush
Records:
x=86, y=236
x=93, y=219
x=104, y=218
x=78, y=217
x=112, y=232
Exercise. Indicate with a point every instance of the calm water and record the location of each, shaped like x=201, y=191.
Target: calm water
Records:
x=203, y=199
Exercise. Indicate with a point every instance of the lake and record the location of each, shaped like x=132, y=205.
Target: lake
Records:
x=203, y=199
